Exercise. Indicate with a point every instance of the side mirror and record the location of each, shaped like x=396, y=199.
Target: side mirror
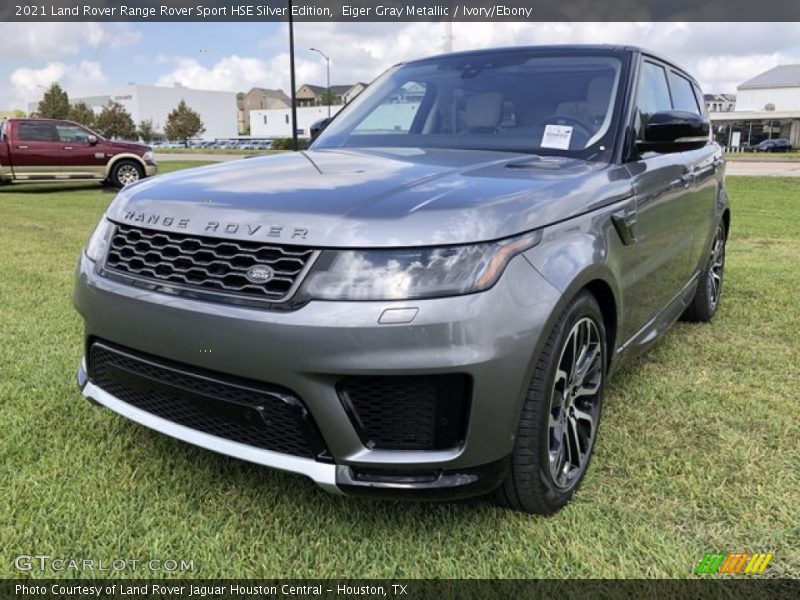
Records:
x=319, y=127
x=675, y=131
x=92, y=140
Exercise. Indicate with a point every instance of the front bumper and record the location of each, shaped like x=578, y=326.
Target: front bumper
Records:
x=150, y=169
x=492, y=337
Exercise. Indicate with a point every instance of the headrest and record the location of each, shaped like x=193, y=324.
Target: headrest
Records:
x=484, y=111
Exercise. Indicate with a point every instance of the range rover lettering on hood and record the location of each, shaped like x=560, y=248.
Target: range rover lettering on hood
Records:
x=256, y=230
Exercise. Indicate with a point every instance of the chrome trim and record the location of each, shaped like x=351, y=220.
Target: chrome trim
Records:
x=322, y=474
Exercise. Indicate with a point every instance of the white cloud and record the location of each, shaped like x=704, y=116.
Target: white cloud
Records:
x=78, y=78
x=50, y=41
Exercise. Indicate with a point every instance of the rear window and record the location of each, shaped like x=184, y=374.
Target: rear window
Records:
x=37, y=132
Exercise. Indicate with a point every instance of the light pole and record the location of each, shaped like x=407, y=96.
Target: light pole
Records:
x=291, y=77
x=328, y=66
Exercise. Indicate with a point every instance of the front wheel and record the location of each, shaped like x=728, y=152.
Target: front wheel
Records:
x=561, y=413
x=706, y=299
x=126, y=172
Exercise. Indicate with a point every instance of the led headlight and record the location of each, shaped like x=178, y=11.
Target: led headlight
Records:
x=98, y=243
x=403, y=274
x=149, y=156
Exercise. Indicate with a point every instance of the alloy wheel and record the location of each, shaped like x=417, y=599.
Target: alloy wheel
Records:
x=716, y=268
x=575, y=403
x=127, y=174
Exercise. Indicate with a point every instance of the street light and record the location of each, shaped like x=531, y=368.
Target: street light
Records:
x=328, y=64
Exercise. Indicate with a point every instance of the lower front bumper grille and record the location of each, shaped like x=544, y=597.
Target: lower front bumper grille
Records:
x=243, y=411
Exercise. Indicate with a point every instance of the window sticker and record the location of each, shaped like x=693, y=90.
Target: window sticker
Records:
x=557, y=136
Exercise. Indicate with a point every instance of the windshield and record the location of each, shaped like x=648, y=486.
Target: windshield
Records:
x=514, y=100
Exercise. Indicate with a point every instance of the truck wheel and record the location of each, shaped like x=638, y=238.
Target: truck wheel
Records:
x=126, y=172
x=706, y=299
x=558, y=425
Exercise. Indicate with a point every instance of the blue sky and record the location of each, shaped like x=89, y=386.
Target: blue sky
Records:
x=89, y=57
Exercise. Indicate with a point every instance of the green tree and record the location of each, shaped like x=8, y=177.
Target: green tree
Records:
x=147, y=130
x=54, y=104
x=81, y=113
x=327, y=98
x=183, y=123
x=115, y=122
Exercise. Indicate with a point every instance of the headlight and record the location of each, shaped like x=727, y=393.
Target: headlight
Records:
x=148, y=156
x=404, y=274
x=98, y=243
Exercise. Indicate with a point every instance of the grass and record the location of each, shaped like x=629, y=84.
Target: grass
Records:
x=698, y=449
x=235, y=151
x=763, y=156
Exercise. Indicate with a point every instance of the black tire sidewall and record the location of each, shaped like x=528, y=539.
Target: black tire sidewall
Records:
x=582, y=306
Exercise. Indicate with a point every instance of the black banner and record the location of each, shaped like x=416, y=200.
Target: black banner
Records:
x=401, y=11
x=750, y=587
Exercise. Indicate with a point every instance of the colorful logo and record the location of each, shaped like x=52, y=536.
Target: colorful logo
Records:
x=734, y=563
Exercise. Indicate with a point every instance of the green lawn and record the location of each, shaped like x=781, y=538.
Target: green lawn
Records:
x=698, y=449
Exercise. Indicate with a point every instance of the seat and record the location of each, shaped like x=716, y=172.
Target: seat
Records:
x=483, y=112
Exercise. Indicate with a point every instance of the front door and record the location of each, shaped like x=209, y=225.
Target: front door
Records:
x=82, y=155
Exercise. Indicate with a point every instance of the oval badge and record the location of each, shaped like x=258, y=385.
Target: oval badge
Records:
x=259, y=274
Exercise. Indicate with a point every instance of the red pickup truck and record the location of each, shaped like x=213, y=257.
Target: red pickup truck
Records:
x=55, y=150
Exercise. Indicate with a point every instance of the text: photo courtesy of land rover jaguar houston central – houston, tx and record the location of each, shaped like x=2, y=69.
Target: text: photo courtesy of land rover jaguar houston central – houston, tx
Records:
x=429, y=301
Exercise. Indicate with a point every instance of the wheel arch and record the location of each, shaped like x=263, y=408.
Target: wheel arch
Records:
x=124, y=156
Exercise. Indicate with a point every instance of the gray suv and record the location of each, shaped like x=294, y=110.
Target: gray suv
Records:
x=429, y=301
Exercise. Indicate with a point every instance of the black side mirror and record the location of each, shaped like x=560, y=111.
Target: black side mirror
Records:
x=92, y=140
x=319, y=127
x=675, y=131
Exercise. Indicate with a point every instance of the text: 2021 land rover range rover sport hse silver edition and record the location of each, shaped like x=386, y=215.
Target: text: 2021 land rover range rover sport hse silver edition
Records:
x=429, y=301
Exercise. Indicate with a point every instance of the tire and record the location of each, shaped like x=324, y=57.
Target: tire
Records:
x=706, y=299
x=125, y=172
x=540, y=480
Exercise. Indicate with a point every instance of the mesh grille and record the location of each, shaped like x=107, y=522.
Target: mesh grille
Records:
x=408, y=412
x=211, y=264
x=235, y=411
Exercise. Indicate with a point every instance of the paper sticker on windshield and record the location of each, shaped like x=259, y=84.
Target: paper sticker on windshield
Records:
x=557, y=136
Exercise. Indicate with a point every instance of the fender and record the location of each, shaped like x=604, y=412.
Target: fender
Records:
x=117, y=157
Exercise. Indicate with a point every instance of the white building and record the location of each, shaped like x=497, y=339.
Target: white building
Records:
x=217, y=110
x=767, y=107
x=277, y=123
x=775, y=90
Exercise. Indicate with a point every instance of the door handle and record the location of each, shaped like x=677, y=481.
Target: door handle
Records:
x=68, y=148
x=22, y=147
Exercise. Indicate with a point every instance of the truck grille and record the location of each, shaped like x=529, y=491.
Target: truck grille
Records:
x=247, y=412
x=211, y=265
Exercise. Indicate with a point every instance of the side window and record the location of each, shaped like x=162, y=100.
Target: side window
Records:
x=683, y=93
x=72, y=133
x=2, y=130
x=37, y=132
x=396, y=114
x=652, y=95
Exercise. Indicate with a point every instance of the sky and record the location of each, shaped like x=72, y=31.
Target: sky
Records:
x=87, y=58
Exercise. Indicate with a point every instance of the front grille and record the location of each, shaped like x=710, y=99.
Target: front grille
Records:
x=214, y=265
x=427, y=412
x=247, y=412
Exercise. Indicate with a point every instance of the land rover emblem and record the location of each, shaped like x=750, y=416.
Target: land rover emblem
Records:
x=259, y=274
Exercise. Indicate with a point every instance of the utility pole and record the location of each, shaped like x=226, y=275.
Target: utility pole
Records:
x=291, y=76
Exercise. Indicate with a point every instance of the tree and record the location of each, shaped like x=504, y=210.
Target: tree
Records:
x=115, y=122
x=183, y=123
x=327, y=98
x=54, y=104
x=147, y=130
x=81, y=113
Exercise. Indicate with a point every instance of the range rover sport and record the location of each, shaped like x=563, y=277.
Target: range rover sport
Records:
x=429, y=301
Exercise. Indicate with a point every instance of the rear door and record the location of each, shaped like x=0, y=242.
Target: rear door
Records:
x=36, y=150
x=665, y=228
x=80, y=158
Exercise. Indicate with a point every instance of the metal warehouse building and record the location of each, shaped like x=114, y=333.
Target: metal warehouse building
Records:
x=217, y=110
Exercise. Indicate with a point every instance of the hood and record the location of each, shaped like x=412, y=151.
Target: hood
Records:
x=131, y=147
x=372, y=198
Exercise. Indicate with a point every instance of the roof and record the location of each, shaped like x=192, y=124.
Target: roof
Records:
x=755, y=115
x=780, y=76
x=269, y=93
x=719, y=97
x=338, y=90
